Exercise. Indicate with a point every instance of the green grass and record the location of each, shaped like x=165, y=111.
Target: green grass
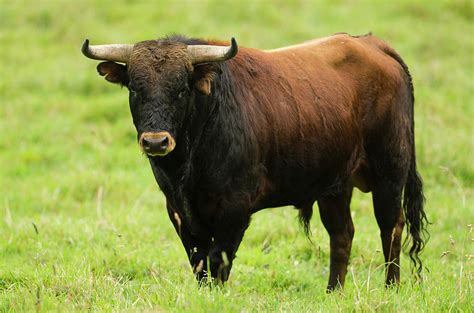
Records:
x=83, y=224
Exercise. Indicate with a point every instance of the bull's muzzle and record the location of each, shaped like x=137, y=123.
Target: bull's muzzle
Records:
x=157, y=144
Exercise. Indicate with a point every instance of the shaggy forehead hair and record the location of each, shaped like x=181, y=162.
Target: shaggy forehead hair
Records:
x=164, y=60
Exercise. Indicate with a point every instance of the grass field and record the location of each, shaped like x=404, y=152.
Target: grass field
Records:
x=83, y=224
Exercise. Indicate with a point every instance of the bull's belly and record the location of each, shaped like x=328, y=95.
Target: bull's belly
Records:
x=298, y=191
x=302, y=188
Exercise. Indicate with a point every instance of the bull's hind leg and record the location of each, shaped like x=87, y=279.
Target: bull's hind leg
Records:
x=336, y=217
x=389, y=214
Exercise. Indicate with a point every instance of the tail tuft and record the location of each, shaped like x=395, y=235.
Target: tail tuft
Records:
x=416, y=220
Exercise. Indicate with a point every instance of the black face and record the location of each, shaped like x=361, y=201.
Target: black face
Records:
x=158, y=109
x=161, y=81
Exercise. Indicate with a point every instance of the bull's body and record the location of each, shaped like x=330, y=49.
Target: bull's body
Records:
x=293, y=126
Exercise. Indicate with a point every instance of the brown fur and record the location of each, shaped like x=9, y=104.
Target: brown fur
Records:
x=329, y=105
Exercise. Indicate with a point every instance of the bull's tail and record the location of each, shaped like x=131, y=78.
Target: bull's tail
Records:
x=413, y=198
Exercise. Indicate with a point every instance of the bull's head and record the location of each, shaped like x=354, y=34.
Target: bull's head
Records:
x=162, y=77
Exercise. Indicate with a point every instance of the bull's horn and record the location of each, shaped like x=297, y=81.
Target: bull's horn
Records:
x=205, y=54
x=115, y=52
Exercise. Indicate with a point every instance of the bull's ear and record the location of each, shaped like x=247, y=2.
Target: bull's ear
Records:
x=204, y=75
x=113, y=72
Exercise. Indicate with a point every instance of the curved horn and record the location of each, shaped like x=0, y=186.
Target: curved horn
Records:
x=115, y=52
x=205, y=53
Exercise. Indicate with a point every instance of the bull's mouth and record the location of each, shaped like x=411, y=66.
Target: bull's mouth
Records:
x=157, y=143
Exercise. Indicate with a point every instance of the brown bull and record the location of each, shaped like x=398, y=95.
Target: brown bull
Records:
x=228, y=134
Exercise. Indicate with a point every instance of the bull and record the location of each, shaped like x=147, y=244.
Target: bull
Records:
x=230, y=131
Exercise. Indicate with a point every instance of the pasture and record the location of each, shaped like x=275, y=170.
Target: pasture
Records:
x=83, y=224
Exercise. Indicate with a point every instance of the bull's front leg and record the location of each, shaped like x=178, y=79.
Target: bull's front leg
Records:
x=229, y=230
x=196, y=248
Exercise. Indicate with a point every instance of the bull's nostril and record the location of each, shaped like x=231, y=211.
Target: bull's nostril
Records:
x=146, y=144
x=164, y=143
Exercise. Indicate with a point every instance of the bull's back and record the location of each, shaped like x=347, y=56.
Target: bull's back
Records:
x=332, y=86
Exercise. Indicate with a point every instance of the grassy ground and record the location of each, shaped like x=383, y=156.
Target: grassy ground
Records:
x=83, y=224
